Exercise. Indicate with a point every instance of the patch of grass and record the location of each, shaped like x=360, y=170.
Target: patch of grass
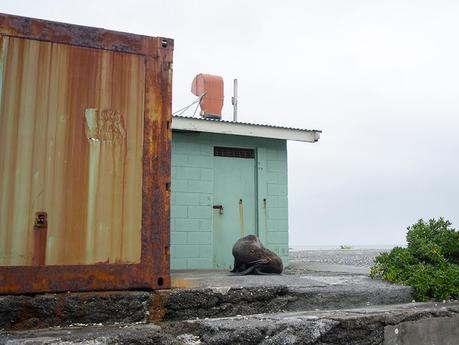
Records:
x=430, y=262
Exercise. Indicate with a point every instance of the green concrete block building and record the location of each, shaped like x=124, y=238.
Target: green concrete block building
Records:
x=229, y=180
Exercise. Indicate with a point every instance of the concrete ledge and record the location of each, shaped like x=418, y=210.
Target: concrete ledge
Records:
x=181, y=304
x=372, y=325
x=437, y=330
x=39, y=311
x=26, y=312
x=132, y=334
x=408, y=324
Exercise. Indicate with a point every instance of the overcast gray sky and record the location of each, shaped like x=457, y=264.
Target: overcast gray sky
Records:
x=380, y=78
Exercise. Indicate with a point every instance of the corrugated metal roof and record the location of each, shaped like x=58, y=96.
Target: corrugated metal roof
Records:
x=243, y=128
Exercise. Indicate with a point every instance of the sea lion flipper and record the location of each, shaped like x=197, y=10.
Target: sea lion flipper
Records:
x=257, y=271
x=247, y=271
x=261, y=273
x=259, y=261
x=235, y=267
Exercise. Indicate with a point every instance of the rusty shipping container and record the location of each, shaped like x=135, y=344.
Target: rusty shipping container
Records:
x=85, y=132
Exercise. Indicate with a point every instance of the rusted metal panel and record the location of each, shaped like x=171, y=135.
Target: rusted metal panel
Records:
x=83, y=36
x=80, y=112
x=85, y=138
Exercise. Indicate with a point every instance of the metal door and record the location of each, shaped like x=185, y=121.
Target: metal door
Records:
x=234, y=201
x=84, y=158
x=74, y=154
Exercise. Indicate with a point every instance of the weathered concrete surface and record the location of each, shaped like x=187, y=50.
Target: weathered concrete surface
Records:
x=440, y=330
x=218, y=294
x=183, y=304
x=362, y=326
x=24, y=312
x=133, y=334
x=298, y=278
x=351, y=327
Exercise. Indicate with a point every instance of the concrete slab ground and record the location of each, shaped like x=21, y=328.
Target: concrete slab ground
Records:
x=323, y=275
x=408, y=324
x=305, y=269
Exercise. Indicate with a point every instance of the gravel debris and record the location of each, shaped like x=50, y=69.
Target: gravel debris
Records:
x=351, y=257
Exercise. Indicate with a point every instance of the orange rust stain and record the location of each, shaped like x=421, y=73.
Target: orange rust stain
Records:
x=182, y=283
x=91, y=188
x=156, y=310
x=39, y=253
x=241, y=219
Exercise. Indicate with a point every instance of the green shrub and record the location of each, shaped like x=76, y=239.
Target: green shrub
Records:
x=429, y=263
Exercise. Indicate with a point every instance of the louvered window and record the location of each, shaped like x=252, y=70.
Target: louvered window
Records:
x=233, y=152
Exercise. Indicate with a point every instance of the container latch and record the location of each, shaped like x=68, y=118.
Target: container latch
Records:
x=41, y=220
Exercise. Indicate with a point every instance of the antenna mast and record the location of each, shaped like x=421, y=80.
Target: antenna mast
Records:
x=234, y=101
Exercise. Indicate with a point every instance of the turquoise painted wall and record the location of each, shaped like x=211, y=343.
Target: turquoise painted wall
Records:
x=192, y=195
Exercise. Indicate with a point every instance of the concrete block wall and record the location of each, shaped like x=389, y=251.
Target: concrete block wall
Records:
x=192, y=196
x=191, y=204
x=272, y=197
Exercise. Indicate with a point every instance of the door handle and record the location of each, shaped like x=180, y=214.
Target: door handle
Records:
x=218, y=207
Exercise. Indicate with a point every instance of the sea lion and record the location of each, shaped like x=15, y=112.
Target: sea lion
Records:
x=250, y=257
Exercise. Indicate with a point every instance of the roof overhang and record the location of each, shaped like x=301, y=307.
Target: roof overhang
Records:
x=245, y=129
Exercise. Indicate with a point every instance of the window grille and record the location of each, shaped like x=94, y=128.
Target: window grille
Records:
x=233, y=152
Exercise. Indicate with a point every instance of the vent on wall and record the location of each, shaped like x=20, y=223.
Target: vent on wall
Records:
x=234, y=152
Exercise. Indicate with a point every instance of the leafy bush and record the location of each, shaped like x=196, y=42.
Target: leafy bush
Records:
x=430, y=263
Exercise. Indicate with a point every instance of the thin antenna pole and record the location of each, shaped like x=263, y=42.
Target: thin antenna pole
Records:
x=234, y=101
